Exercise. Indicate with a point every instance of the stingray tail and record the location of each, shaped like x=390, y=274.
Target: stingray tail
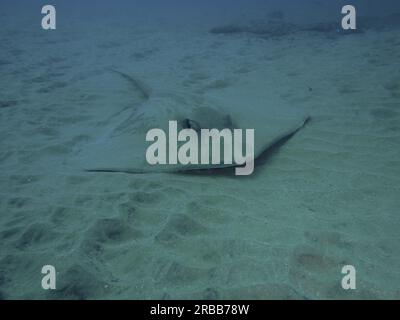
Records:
x=138, y=85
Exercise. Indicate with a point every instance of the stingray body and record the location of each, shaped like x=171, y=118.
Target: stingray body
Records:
x=122, y=145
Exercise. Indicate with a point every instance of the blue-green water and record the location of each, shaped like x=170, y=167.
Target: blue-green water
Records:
x=84, y=95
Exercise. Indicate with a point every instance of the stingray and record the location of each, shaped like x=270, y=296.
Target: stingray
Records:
x=121, y=147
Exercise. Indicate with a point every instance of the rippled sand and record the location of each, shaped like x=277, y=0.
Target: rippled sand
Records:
x=327, y=198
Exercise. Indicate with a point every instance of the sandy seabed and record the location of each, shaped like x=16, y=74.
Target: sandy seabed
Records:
x=329, y=197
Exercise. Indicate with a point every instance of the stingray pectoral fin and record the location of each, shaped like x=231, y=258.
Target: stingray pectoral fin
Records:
x=283, y=137
x=160, y=170
x=130, y=171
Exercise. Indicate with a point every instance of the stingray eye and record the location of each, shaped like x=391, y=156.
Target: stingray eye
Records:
x=185, y=124
x=191, y=124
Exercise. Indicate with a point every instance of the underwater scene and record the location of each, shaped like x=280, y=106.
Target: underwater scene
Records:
x=208, y=150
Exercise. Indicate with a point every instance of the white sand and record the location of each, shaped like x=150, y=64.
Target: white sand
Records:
x=328, y=198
